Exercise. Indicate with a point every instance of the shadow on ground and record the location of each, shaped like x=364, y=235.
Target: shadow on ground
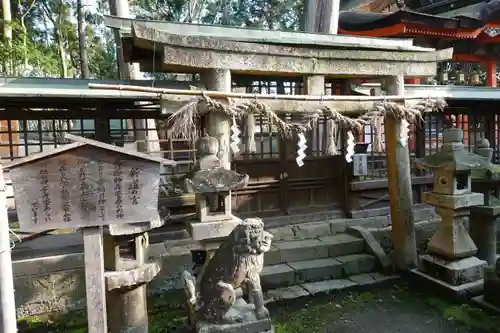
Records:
x=390, y=310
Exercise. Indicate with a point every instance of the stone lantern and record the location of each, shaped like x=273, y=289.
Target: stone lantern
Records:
x=450, y=252
x=212, y=185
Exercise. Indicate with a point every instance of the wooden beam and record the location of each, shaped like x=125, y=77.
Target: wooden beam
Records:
x=400, y=189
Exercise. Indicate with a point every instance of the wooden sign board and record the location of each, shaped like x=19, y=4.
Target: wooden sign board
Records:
x=85, y=186
x=359, y=164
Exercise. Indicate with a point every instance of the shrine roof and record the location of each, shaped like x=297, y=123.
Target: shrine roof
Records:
x=466, y=22
x=81, y=142
x=447, y=92
x=38, y=87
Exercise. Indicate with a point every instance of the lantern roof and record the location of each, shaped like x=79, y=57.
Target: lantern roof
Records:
x=453, y=156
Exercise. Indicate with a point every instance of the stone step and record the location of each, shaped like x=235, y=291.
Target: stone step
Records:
x=283, y=252
x=298, y=272
x=327, y=286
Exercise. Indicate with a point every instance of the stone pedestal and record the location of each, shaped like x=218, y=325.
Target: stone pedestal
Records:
x=126, y=279
x=491, y=290
x=453, y=272
x=450, y=251
x=483, y=231
x=250, y=323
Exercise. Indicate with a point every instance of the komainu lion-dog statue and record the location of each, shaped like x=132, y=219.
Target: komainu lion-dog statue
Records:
x=237, y=263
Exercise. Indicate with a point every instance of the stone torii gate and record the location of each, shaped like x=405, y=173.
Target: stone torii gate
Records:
x=215, y=52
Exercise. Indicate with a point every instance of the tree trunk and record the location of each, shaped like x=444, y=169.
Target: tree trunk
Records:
x=84, y=60
x=63, y=61
x=7, y=33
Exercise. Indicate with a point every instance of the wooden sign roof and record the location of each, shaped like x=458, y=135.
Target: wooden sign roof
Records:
x=80, y=142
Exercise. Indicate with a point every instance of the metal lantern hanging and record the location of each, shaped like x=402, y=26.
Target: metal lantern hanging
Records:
x=443, y=77
x=474, y=78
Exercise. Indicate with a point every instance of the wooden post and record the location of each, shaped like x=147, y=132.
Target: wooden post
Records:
x=491, y=74
x=400, y=190
x=145, y=129
x=94, y=279
x=7, y=300
x=322, y=16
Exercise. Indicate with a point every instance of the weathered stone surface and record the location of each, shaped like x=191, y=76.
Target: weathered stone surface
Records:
x=483, y=231
x=327, y=286
x=362, y=279
x=357, y=263
x=212, y=229
x=378, y=277
x=46, y=265
x=177, y=259
x=491, y=286
x=453, y=201
x=273, y=256
x=238, y=262
x=342, y=244
x=315, y=270
x=156, y=251
x=423, y=232
x=277, y=275
x=452, y=240
x=309, y=230
x=373, y=247
x=134, y=277
x=301, y=250
x=290, y=292
x=287, y=62
x=481, y=301
x=46, y=293
x=453, y=272
x=261, y=326
x=282, y=233
x=466, y=289
x=135, y=228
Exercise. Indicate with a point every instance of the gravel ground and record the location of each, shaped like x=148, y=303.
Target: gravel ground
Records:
x=395, y=316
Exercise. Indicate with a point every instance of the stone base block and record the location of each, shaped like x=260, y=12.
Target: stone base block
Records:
x=491, y=286
x=479, y=300
x=455, y=273
x=249, y=324
x=214, y=229
x=472, y=288
x=261, y=326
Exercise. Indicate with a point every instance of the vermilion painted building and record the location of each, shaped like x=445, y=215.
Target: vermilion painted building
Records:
x=472, y=28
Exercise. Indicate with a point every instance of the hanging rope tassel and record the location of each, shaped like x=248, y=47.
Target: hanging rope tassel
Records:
x=378, y=129
x=331, y=136
x=235, y=140
x=403, y=133
x=350, y=147
x=301, y=148
x=250, y=145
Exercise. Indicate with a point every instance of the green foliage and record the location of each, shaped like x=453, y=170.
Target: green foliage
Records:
x=45, y=37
